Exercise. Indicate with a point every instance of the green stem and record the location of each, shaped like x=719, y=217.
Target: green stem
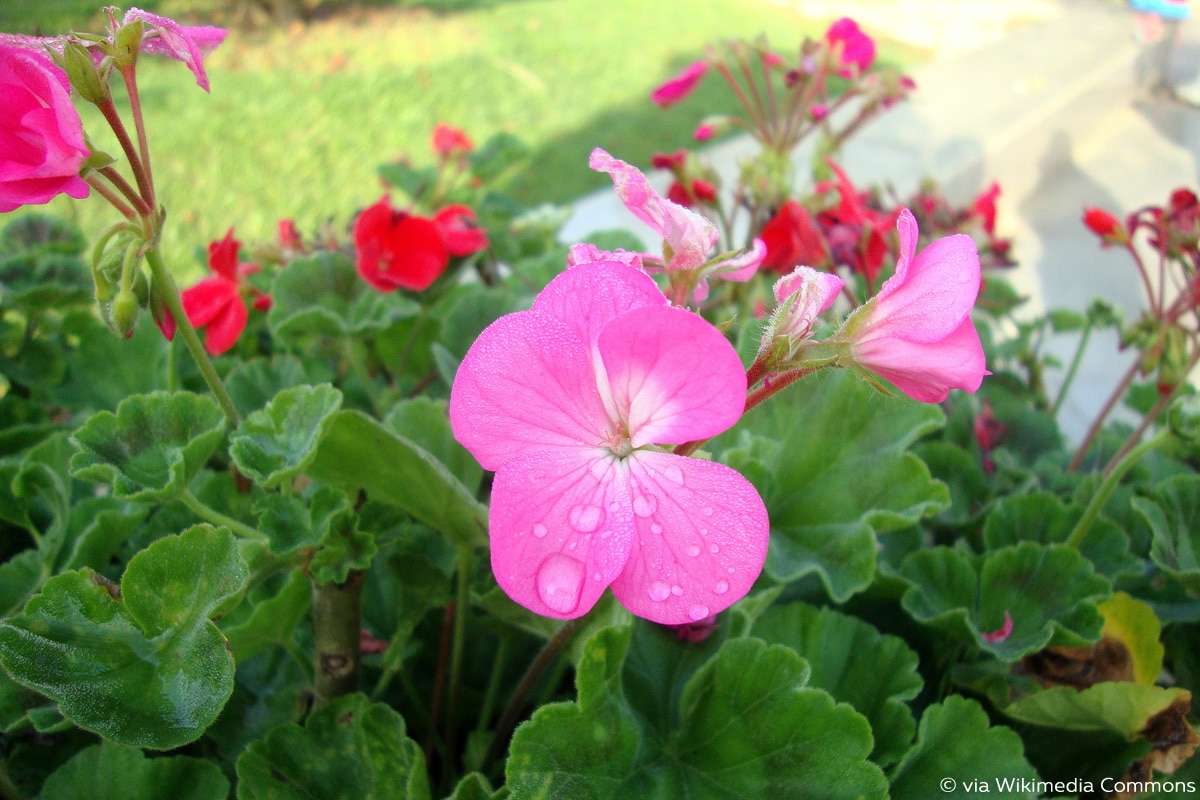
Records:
x=337, y=634
x=135, y=106
x=461, y=603
x=210, y=514
x=516, y=703
x=1074, y=368
x=164, y=283
x=1111, y=478
x=493, y=687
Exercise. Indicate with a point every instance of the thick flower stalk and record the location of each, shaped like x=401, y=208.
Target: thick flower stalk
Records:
x=569, y=402
x=917, y=331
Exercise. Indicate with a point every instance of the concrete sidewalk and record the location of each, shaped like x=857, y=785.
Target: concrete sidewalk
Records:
x=1042, y=96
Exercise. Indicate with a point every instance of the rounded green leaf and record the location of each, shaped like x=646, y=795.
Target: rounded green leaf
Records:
x=1173, y=514
x=322, y=295
x=141, y=664
x=275, y=444
x=856, y=664
x=152, y=447
x=958, y=755
x=1050, y=592
x=743, y=725
x=113, y=772
x=1119, y=706
x=351, y=748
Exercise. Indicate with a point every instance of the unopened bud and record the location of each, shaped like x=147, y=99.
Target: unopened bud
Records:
x=123, y=314
x=81, y=71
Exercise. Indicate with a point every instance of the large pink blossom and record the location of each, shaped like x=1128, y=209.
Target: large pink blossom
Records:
x=565, y=402
x=687, y=236
x=41, y=136
x=917, y=332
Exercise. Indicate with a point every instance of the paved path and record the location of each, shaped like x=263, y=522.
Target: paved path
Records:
x=1043, y=96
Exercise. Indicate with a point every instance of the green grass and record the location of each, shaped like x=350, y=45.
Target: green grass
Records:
x=298, y=120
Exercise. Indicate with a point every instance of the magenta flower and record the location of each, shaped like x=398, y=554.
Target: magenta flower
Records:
x=802, y=296
x=687, y=236
x=680, y=86
x=565, y=402
x=917, y=332
x=854, y=48
x=41, y=136
x=188, y=44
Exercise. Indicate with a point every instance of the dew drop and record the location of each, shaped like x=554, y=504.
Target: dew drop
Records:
x=614, y=505
x=730, y=570
x=586, y=518
x=698, y=613
x=704, y=531
x=659, y=591
x=560, y=582
x=572, y=545
x=597, y=577
x=645, y=504
x=714, y=549
x=540, y=530
x=677, y=590
x=706, y=511
x=693, y=551
x=722, y=587
x=656, y=528
x=674, y=474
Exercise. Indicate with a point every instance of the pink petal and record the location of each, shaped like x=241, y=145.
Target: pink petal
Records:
x=632, y=187
x=743, y=266
x=702, y=534
x=561, y=528
x=183, y=43
x=928, y=296
x=586, y=253
x=1000, y=634
x=927, y=371
x=675, y=376
x=680, y=86
x=814, y=292
x=589, y=296
x=526, y=384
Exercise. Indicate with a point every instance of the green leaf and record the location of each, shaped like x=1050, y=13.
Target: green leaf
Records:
x=1173, y=513
x=957, y=753
x=143, y=664
x=272, y=620
x=1119, y=706
x=410, y=180
x=252, y=384
x=856, y=664
x=1042, y=517
x=105, y=369
x=425, y=423
x=499, y=153
x=1133, y=624
x=322, y=295
x=110, y=771
x=152, y=447
x=832, y=482
x=742, y=725
x=1063, y=320
x=293, y=522
x=1050, y=591
x=276, y=444
x=351, y=748
x=359, y=454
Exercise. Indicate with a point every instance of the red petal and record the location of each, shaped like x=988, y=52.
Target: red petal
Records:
x=223, y=332
x=223, y=256
x=460, y=231
x=208, y=299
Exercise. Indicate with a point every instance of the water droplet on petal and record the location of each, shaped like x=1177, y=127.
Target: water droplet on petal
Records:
x=714, y=549
x=540, y=530
x=572, y=545
x=614, y=505
x=674, y=474
x=659, y=591
x=677, y=590
x=693, y=551
x=722, y=587
x=706, y=511
x=586, y=518
x=644, y=505
x=698, y=613
x=656, y=528
x=704, y=531
x=560, y=582
x=597, y=577
x=730, y=570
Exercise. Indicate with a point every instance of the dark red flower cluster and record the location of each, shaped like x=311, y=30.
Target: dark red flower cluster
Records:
x=399, y=250
x=691, y=186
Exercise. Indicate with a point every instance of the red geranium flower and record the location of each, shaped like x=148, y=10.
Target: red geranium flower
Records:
x=449, y=141
x=792, y=239
x=460, y=231
x=398, y=250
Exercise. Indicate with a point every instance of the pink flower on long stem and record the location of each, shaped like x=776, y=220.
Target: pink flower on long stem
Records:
x=687, y=236
x=41, y=136
x=167, y=37
x=680, y=86
x=855, y=49
x=917, y=331
x=565, y=402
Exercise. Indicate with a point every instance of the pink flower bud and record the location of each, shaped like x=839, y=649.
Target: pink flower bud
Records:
x=679, y=87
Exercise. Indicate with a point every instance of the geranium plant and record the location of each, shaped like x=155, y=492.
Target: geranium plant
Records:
x=442, y=507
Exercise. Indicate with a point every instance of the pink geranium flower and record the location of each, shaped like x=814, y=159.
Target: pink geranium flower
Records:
x=167, y=37
x=41, y=136
x=565, y=402
x=854, y=48
x=917, y=332
x=680, y=86
x=687, y=236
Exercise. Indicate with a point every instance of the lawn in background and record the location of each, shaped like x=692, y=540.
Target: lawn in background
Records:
x=299, y=119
